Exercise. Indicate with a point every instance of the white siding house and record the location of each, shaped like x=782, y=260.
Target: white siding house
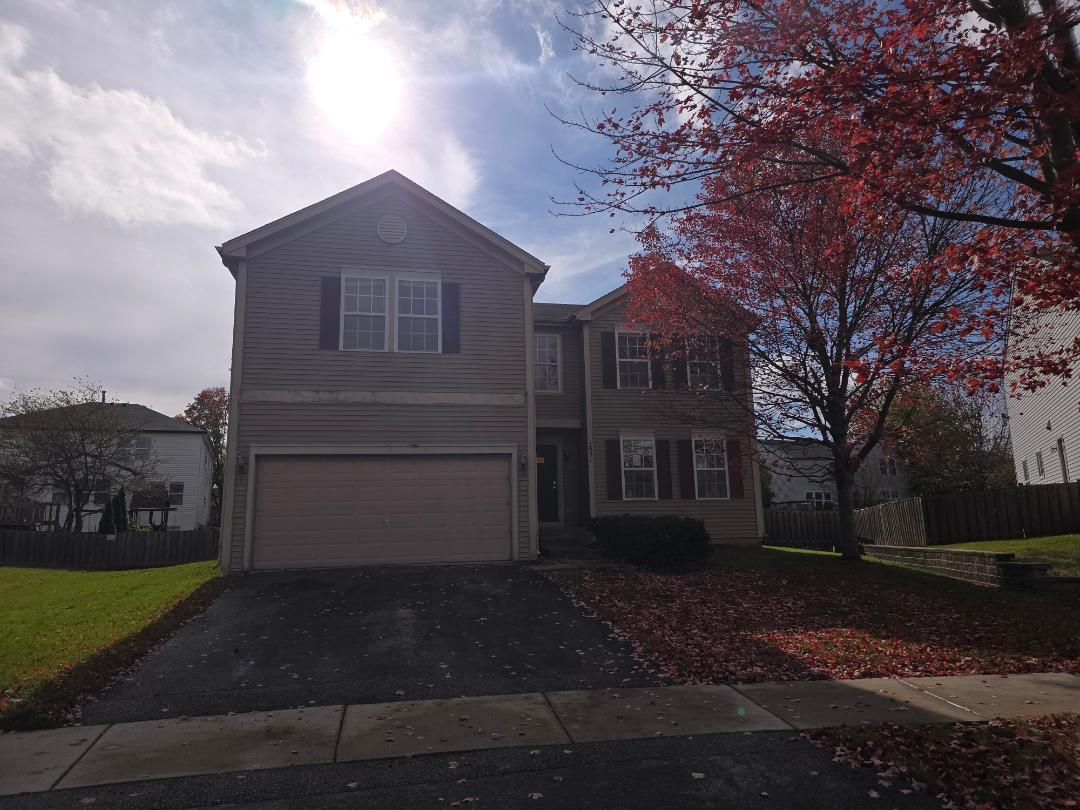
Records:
x=183, y=460
x=800, y=473
x=1045, y=424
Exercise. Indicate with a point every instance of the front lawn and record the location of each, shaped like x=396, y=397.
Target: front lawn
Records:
x=57, y=622
x=1061, y=551
x=768, y=615
x=1010, y=763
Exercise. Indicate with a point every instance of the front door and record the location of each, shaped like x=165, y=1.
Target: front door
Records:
x=547, y=483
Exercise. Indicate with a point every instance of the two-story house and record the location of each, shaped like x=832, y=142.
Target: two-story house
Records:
x=182, y=460
x=398, y=397
x=800, y=475
x=1044, y=425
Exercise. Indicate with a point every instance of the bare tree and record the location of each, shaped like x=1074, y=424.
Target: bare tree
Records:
x=69, y=440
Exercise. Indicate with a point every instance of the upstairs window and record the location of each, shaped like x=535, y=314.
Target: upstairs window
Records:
x=710, y=468
x=142, y=447
x=176, y=493
x=632, y=354
x=703, y=362
x=546, y=367
x=819, y=499
x=417, y=315
x=363, y=320
x=887, y=465
x=639, y=468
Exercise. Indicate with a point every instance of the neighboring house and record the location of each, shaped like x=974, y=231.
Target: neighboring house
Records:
x=183, y=460
x=1044, y=425
x=397, y=397
x=800, y=475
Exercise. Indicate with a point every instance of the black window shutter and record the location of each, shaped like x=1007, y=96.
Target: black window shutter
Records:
x=614, y=470
x=678, y=363
x=687, y=490
x=658, y=362
x=608, y=369
x=663, y=469
x=330, y=313
x=451, y=317
x=727, y=365
x=734, y=469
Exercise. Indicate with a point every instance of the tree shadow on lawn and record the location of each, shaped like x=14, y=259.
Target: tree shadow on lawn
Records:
x=760, y=615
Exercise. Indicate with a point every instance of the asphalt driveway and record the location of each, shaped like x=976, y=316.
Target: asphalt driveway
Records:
x=281, y=640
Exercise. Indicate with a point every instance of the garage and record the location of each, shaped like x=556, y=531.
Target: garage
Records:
x=324, y=511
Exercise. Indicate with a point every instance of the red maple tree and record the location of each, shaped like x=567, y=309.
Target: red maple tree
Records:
x=910, y=104
x=843, y=309
x=210, y=411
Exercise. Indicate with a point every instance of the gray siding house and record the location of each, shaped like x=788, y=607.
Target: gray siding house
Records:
x=1044, y=425
x=800, y=476
x=397, y=397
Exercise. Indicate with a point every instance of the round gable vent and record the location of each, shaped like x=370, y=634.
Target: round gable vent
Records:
x=391, y=229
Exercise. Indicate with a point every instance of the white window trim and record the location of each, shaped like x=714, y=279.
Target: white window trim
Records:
x=558, y=361
x=437, y=317
x=694, y=439
x=622, y=467
x=618, y=371
x=715, y=363
x=347, y=273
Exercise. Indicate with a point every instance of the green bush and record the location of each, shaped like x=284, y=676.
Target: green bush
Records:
x=655, y=541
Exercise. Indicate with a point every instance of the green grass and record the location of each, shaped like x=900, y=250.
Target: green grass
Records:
x=54, y=620
x=1061, y=551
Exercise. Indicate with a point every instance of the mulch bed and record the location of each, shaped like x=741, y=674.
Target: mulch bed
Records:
x=1016, y=763
x=826, y=619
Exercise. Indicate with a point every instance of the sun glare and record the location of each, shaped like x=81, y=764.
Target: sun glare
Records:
x=355, y=82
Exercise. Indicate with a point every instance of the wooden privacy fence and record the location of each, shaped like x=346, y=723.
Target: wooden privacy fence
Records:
x=796, y=529
x=897, y=523
x=96, y=552
x=1031, y=511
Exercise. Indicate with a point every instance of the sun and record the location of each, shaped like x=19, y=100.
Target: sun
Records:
x=356, y=83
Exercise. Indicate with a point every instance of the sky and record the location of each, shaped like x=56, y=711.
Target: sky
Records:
x=135, y=136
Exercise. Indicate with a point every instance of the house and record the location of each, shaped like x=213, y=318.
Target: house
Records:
x=397, y=397
x=183, y=466
x=1044, y=425
x=799, y=475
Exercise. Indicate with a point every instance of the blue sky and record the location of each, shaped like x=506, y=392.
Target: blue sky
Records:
x=137, y=136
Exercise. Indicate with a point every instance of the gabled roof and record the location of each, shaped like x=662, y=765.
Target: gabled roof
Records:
x=554, y=313
x=586, y=312
x=137, y=417
x=234, y=248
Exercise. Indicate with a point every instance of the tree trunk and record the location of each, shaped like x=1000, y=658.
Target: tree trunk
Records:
x=849, y=541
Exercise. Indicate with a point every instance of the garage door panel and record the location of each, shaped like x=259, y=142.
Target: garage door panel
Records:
x=337, y=510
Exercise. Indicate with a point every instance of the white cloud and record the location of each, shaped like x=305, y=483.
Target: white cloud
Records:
x=546, y=49
x=117, y=154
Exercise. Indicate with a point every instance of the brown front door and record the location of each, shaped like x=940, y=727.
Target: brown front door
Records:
x=547, y=483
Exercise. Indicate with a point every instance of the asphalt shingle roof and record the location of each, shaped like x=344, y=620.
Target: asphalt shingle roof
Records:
x=554, y=313
x=140, y=418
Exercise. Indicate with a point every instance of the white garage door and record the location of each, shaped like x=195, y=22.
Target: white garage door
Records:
x=323, y=511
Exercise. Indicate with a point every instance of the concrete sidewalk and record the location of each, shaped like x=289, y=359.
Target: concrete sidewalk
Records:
x=85, y=756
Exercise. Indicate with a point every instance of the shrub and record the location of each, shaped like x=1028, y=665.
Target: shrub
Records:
x=107, y=525
x=652, y=540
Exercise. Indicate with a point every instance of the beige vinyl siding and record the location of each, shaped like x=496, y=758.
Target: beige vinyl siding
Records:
x=1055, y=405
x=281, y=339
x=281, y=335
x=569, y=404
x=672, y=416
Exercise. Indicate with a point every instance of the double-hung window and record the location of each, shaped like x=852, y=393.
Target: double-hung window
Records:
x=639, y=467
x=710, y=468
x=141, y=449
x=363, y=319
x=176, y=493
x=417, y=315
x=632, y=352
x=887, y=466
x=548, y=377
x=703, y=362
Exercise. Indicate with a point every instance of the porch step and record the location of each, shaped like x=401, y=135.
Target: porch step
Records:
x=568, y=543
